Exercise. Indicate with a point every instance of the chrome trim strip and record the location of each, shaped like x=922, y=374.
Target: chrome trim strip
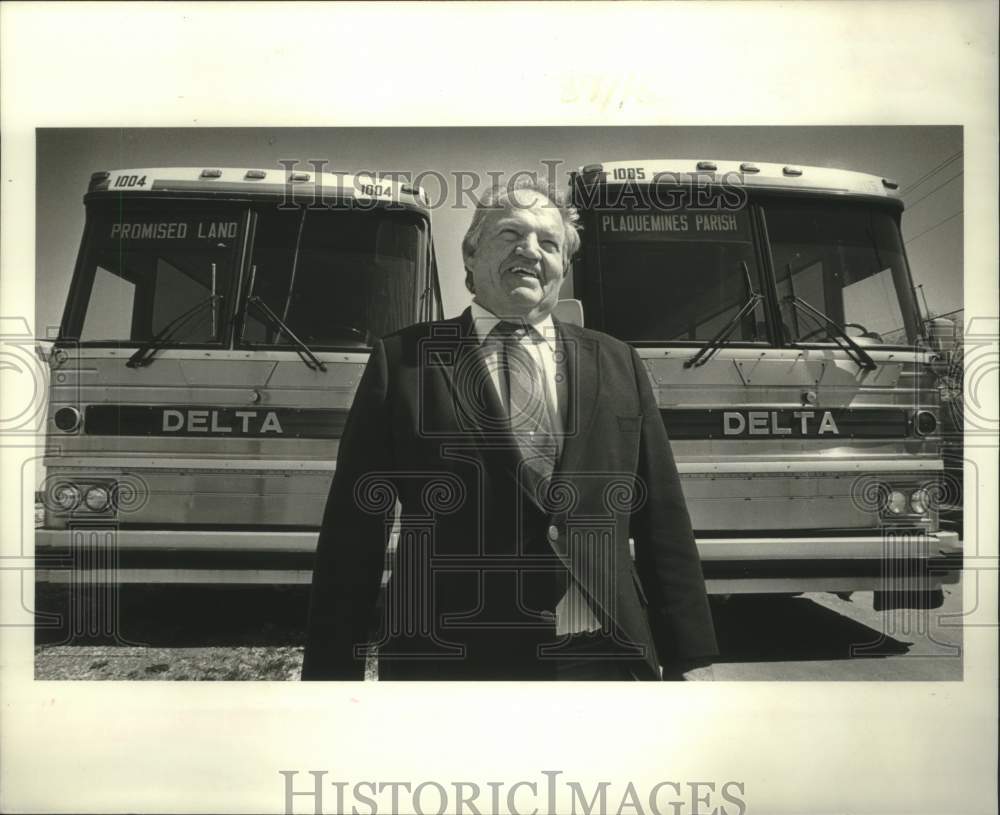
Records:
x=84, y=352
x=800, y=585
x=812, y=465
x=276, y=577
x=94, y=463
x=714, y=548
x=189, y=539
x=193, y=576
x=818, y=467
x=287, y=578
x=871, y=547
x=825, y=352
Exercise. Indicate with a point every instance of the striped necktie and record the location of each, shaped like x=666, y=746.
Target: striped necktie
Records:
x=533, y=426
x=529, y=410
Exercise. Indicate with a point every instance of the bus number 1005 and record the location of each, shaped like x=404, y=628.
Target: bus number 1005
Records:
x=628, y=174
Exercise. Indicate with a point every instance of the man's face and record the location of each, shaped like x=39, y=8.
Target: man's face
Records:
x=519, y=264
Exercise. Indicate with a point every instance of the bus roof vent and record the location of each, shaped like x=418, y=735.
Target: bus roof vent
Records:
x=298, y=176
x=748, y=167
x=98, y=181
x=889, y=184
x=213, y=173
x=255, y=174
x=789, y=170
x=707, y=165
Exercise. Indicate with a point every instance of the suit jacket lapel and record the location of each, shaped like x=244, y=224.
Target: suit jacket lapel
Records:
x=477, y=405
x=580, y=354
x=477, y=408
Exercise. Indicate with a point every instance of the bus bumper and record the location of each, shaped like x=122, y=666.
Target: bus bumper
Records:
x=893, y=561
x=95, y=556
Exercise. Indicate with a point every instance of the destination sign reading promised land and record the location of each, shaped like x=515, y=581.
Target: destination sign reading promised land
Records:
x=174, y=230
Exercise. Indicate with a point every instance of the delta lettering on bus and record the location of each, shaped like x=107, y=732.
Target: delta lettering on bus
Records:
x=213, y=421
x=769, y=423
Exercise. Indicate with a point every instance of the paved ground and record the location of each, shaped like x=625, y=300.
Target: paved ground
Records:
x=230, y=634
x=824, y=637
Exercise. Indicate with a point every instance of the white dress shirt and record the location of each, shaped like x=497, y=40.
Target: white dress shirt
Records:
x=573, y=615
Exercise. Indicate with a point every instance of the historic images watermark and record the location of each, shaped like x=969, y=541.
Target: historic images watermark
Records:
x=90, y=509
x=25, y=385
x=548, y=794
x=665, y=191
x=589, y=546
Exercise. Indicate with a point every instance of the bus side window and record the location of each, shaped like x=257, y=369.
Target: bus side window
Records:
x=111, y=303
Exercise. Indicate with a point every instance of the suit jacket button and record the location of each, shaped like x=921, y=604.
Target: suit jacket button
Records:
x=553, y=533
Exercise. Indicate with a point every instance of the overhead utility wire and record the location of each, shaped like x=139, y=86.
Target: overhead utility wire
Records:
x=931, y=228
x=929, y=173
x=928, y=194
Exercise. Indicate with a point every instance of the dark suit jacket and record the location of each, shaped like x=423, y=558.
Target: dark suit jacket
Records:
x=426, y=429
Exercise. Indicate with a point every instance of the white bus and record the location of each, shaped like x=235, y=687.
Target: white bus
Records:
x=774, y=309
x=217, y=325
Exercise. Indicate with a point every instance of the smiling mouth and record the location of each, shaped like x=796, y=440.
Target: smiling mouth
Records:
x=524, y=272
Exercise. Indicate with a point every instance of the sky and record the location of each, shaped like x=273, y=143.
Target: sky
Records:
x=926, y=161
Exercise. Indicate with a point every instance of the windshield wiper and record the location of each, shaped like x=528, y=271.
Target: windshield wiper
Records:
x=839, y=334
x=311, y=361
x=145, y=352
x=708, y=350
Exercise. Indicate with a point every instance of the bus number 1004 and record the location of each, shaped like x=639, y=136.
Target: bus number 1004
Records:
x=129, y=181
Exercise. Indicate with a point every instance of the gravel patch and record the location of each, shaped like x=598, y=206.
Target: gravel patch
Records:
x=97, y=662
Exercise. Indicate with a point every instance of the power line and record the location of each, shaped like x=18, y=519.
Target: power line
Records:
x=939, y=186
x=929, y=173
x=930, y=228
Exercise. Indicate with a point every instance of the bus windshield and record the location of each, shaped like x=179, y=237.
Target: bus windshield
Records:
x=144, y=268
x=335, y=277
x=169, y=271
x=843, y=260
x=680, y=276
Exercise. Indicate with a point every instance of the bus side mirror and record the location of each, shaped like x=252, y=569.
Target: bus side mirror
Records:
x=44, y=349
x=569, y=311
x=942, y=335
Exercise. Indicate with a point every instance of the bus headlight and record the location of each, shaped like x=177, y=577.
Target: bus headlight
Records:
x=65, y=497
x=896, y=502
x=67, y=419
x=97, y=499
x=920, y=501
x=924, y=423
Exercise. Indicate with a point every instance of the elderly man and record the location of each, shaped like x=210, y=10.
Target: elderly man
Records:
x=524, y=455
